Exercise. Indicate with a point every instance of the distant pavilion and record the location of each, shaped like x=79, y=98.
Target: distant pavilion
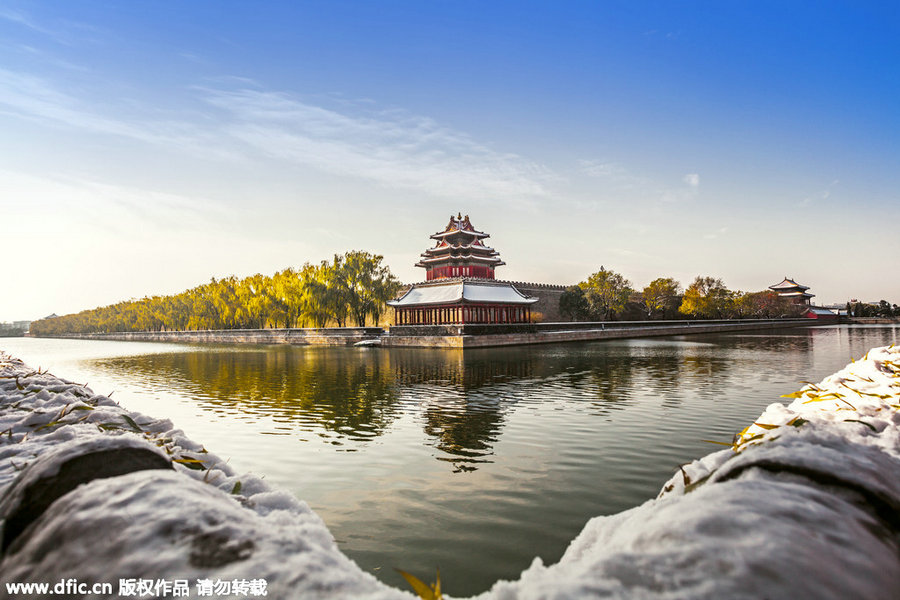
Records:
x=793, y=291
x=459, y=286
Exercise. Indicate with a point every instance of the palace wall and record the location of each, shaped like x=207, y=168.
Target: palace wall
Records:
x=548, y=299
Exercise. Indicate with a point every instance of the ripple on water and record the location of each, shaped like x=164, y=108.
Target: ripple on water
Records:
x=473, y=463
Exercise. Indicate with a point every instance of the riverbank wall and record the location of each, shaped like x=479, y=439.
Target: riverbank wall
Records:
x=805, y=504
x=449, y=336
x=480, y=336
x=873, y=320
x=324, y=336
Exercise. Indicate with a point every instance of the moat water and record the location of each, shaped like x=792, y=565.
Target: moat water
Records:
x=474, y=463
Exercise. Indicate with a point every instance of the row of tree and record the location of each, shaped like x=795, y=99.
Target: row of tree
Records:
x=353, y=288
x=11, y=330
x=882, y=309
x=607, y=295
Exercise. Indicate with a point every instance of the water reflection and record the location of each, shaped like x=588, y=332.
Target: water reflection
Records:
x=558, y=433
x=352, y=396
x=342, y=393
x=461, y=401
x=464, y=429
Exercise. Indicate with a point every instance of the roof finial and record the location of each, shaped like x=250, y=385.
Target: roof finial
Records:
x=459, y=216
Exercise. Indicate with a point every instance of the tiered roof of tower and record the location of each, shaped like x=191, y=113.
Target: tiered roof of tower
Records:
x=460, y=252
x=791, y=289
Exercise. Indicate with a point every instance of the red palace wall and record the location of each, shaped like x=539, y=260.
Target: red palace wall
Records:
x=459, y=271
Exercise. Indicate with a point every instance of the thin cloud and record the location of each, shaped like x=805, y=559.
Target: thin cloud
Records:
x=820, y=196
x=613, y=172
x=66, y=35
x=622, y=178
x=30, y=97
x=390, y=148
x=20, y=18
x=105, y=201
x=716, y=234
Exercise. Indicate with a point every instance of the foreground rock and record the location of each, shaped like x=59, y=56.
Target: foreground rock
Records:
x=806, y=504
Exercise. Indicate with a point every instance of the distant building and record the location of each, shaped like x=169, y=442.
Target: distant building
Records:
x=460, y=286
x=799, y=295
x=793, y=291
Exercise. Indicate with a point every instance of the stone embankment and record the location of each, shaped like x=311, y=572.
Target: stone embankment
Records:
x=450, y=336
x=806, y=504
x=477, y=336
x=324, y=336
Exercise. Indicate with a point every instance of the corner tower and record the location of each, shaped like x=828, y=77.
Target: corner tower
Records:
x=460, y=252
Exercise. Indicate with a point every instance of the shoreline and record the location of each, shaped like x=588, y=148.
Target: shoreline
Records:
x=449, y=336
x=803, y=505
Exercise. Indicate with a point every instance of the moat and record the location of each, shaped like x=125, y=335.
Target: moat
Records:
x=473, y=463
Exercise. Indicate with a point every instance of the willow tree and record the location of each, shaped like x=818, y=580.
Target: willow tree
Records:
x=354, y=285
x=369, y=285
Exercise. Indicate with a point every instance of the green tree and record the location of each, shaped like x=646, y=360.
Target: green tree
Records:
x=707, y=297
x=289, y=295
x=572, y=304
x=356, y=284
x=313, y=286
x=606, y=293
x=337, y=290
x=662, y=297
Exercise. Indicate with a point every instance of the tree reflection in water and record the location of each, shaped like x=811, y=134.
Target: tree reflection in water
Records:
x=332, y=392
x=350, y=396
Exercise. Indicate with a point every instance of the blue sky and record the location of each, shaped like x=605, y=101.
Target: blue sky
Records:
x=146, y=147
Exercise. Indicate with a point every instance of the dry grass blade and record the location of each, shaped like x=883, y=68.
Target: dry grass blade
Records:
x=767, y=426
x=422, y=589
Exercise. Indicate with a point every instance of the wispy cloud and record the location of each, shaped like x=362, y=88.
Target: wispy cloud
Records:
x=821, y=195
x=715, y=234
x=108, y=203
x=683, y=193
x=62, y=31
x=21, y=18
x=620, y=177
x=392, y=148
x=389, y=147
x=32, y=98
x=613, y=172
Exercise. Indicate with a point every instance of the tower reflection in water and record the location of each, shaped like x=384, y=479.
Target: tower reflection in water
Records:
x=351, y=397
